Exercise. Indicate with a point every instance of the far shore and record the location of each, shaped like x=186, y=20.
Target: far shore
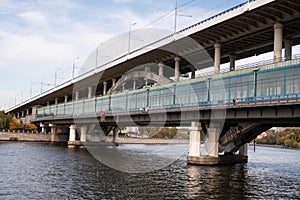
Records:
x=129, y=140
x=272, y=146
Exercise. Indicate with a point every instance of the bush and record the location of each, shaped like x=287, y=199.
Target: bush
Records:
x=166, y=132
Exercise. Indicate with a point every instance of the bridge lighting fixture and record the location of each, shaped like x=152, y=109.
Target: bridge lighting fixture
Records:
x=129, y=37
x=55, y=76
x=73, y=71
x=176, y=14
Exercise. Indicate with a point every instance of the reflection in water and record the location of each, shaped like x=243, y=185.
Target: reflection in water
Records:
x=137, y=158
x=217, y=182
x=49, y=171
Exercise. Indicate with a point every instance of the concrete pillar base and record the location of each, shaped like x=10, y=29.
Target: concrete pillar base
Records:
x=58, y=138
x=221, y=160
x=75, y=143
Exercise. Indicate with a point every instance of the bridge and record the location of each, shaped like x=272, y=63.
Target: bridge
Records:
x=228, y=108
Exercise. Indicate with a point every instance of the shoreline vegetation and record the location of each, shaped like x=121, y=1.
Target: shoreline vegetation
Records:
x=288, y=138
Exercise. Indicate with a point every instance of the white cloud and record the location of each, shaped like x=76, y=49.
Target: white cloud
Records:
x=35, y=18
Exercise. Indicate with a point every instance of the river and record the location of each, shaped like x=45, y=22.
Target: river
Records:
x=51, y=171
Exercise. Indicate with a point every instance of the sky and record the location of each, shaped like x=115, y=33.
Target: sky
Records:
x=41, y=40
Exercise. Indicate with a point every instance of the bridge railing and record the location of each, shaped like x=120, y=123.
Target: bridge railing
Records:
x=267, y=64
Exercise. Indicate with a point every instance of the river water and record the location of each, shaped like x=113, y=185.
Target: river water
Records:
x=52, y=171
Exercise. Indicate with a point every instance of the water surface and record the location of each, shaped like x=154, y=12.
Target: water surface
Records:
x=51, y=171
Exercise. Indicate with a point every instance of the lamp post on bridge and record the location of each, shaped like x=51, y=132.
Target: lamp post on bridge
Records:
x=73, y=70
x=129, y=37
x=55, y=76
x=97, y=56
x=176, y=14
x=40, y=83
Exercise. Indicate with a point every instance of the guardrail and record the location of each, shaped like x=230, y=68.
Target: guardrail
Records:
x=269, y=62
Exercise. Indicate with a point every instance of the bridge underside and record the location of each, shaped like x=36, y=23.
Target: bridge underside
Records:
x=224, y=129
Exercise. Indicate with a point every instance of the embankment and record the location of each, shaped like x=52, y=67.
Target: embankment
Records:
x=31, y=137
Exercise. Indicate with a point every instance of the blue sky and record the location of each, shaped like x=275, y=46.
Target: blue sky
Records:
x=39, y=37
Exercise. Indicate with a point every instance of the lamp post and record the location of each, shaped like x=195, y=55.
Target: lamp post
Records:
x=73, y=71
x=55, y=76
x=175, y=17
x=176, y=14
x=30, y=91
x=129, y=37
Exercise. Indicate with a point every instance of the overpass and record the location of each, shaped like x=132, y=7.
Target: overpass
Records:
x=267, y=92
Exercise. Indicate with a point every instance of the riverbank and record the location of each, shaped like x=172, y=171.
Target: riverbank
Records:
x=127, y=140
x=273, y=146
x=41, y=137
x=32, y=137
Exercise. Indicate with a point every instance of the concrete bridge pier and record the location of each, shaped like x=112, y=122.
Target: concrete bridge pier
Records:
x=115, y=136
x=83, y=134
x=195, y=140
x=243, y=151
x=56, y=135
x=72, y=136
x=213, y=157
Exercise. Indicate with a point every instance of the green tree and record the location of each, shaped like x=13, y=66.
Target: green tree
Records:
x=5, y=119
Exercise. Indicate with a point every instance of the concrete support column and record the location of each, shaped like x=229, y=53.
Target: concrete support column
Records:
x=278, y=27
x=76, y=96
x=232, y=58
x=83, y=133
x=115, y=136
x=193, y=72
x=43, y=127
x=217, y=56
x=72, y=135
x=160, y=69
x=66, y=98
x=177, y=65
x=134, y=84
x=113, y=82
x=104, y=88
x=244, y=150
x=195, y=139
x=90, y=91
x=123, y=87
x=56, y=100
x=53, y=129
x=288, y=49
x=48, y=103
x=213, y=141
x=22, y=113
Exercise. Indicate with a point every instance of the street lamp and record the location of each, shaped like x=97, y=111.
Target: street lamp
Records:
x=176, y=14
x=55, y=77
x=129, y=37
x=73, y=71
x=22, y=95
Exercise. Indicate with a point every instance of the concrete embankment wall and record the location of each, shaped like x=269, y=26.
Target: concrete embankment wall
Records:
x=127, y=140
x=31, y=137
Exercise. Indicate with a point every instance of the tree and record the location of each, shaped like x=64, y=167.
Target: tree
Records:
x=5, y=119
x=15, y=124
x=166, y=132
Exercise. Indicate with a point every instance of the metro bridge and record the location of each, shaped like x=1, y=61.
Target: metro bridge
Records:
x=267, y=93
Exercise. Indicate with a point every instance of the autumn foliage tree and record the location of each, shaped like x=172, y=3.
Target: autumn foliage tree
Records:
x=287, y=138
x=168, y=133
